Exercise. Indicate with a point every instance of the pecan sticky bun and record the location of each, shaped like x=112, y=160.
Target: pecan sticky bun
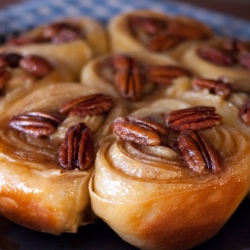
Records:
x=134, y=79
x=20, y=72
x=232, y=104
x=221, y=58
x=72, y=41
x=153, y=32
x=47, y=150
x=167, y=170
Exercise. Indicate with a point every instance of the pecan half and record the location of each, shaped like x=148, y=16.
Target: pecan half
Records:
x=165, y=74
x=219, y=87
x=142, y=131
x=35, y=123
x=94, y=104
x=235, y=45
x=77, y=148
x=244, y=59
x=24, y=40
x=129, y=78
x=4, y=77
x=195, y=118
x=187, y=31
x=198, y=153
x=9, y=60
x=36, y=65
x=123, y=62
x=245, y=113
x=149, y=25
x=216, y=55
x=61, y=32
x=164, y=42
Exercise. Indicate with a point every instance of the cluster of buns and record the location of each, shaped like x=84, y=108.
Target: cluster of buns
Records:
x=143, y=123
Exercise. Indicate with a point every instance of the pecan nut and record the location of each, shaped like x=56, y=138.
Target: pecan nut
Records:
x=187, y=31
x=94, y=104
x=35, y=123
x=77, y=148
x=149, y=25
x=128, y=78
x=164, y=42
x=245, y=113
x=216, y=55
x=198, y=153
x=4, y=77
x=9, y=60
x=219, y=87
x=244, y=59
x=24, y=40
x=165, y=74
x=123, y=62
x=36, y=65
x=195, y=118
x=141, y=131
x=61, y=32
x=235, y=45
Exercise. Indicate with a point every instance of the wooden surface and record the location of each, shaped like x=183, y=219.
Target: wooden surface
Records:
x=237, y=8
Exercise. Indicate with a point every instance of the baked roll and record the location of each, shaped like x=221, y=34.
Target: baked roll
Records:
x=165, y=181
x=221, y=58
x=231, y=104
x=153, y=32
x=135, y=80
x=47, y=149
x=72, y=41
x=20, y=72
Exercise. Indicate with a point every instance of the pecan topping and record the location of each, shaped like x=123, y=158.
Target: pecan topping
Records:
x=36, y=65
x=164, y=42
x=9, y=60
x=187, y=31
x=235, y=45
x=123, y=62
x=4, y=77
x=244, y=59
x=198, y=153
x=94, y=104
x=165, y=74
x=24, y=40
x=195, y=118
x=163, y=34
x=229, y=52
x=128, y=78
x=77, y=148
x=149, y=25
x=219, y=87
x=217, y=56
x=245, y=113
x=61, y=32
x=35, y=123
x=143, y=131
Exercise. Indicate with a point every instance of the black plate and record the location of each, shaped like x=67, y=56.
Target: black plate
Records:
x=235, y=235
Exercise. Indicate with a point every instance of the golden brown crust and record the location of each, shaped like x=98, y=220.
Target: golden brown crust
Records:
x=100, y=74
x=123, y=41
x=236, y=74
x=154, y=202
x=72, y=54
x=36, y=191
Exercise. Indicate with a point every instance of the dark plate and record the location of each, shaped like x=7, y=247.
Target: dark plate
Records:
x=233, y=236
